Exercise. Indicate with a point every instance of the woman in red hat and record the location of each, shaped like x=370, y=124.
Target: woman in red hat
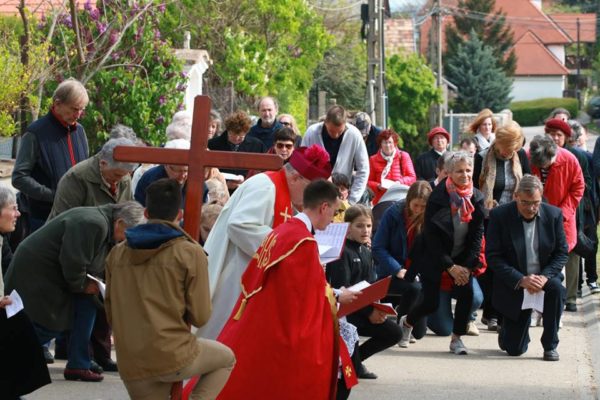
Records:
x=425, y=164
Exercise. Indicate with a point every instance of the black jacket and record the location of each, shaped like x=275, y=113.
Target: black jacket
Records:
x=425, y=165
x=431, y=252
x=506, y=254
x=249, y=145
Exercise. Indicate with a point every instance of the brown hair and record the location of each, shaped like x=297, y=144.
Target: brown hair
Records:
x=336, y=115
x=385, y=135
x=420, y=190
x=483, y=114
x=284, y=134
x=356, y=211
x=238, y=123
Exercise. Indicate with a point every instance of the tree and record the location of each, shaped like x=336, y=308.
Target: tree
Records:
x=481, y=83
x=260, y=46
x=490, y=26
x=411, y=92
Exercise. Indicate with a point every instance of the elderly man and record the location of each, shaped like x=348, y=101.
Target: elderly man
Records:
x=96, y=181
x=369, y=132
x=49, y=270
x=51, y=145
x=267, y=124
x=564, y=186
x=526, y=249
x=176, y=172
x=347, y=151
x=261, y=204
x=425, y=163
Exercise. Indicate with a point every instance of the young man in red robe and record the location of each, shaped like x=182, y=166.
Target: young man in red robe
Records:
x=283, y=329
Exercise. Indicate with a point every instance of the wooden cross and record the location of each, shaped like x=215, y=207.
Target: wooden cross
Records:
x=197, y=158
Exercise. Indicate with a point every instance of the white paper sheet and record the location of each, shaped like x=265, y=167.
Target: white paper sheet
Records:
x=359, y=286
x=16, y=306
x=101, y=285
x=534, y=301
x=331, y=241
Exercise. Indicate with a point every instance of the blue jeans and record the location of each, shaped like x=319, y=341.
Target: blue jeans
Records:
x=84, y=315
x=441, y=321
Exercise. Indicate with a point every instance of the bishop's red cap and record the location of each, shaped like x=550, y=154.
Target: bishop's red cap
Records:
x=311, y=162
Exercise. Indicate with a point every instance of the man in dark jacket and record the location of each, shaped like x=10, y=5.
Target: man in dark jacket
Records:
x=527, y=248
x=50, y=272
x=51, y=145
x=266, y=126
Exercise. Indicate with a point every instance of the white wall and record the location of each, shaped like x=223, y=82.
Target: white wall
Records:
x=558, y=51
x=537, y=87
x=194, y=84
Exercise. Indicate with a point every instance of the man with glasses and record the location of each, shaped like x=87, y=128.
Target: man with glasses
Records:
x=527, y=248
x=346, y=148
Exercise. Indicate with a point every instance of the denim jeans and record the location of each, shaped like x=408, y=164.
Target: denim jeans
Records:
x=441, y=321
x=84, y=314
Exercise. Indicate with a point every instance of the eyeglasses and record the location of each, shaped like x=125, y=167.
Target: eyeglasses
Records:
x=288, y=146
x=529, y=203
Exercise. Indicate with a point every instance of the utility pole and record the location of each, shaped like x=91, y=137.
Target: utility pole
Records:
x=372, y=61
x=577, y=88
x=440, y=72
x=376, y=93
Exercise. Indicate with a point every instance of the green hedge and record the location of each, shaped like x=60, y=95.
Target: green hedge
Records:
x=534, y=112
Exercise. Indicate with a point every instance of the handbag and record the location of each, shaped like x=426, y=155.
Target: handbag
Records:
x=585, y=246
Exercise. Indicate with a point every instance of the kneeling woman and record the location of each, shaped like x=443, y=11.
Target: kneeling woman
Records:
x=355, y=265
x=451, y=241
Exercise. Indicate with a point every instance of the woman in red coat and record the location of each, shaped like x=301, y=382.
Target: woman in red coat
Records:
x=389, y=165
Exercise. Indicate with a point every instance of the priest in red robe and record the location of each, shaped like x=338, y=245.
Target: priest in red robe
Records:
x=283, y=328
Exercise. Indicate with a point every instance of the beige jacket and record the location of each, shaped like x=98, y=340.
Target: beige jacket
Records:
x=157, y=283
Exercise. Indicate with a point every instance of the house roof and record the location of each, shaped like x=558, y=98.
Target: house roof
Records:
x=568, y=23
x=535, y=59
x=37, y=7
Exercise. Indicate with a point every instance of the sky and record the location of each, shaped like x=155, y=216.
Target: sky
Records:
x=405, y=5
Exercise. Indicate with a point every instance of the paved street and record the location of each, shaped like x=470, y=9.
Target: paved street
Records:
x=426, y=370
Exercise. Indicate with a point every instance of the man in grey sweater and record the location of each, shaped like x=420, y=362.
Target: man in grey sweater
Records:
x=346, y=148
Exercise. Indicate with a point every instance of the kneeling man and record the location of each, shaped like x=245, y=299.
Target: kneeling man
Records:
x=527, y=249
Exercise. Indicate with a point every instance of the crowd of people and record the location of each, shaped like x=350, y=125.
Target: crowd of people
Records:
x=487, y=224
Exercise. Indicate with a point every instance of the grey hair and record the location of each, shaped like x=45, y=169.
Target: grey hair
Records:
x=441, y=162
x=576, y=130
x=458, y=156
x=180, y=129
x=529, y=184
x=560, y=110
x=71, y=91
x=130, y=212
x=542, y=150
x=7, y=196
x=106, y=154
x=273, y=99
x=122, y=131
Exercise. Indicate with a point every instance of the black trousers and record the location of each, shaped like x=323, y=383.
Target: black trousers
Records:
x=409, y=296
x=514, y=335
x=431, y=301
x=381, y=336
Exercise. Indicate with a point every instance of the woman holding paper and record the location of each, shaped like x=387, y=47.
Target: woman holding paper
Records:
x=389, y=165
x=23, y=367
x=356, y=265
x=399, y=226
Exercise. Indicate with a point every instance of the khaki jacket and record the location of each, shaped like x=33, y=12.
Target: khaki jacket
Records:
x=152, y=294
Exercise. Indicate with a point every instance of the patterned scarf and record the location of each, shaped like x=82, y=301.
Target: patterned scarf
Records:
x=487, y=179
x=390, y=160
x=460, y=199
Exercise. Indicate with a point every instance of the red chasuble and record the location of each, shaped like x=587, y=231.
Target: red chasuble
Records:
x=283, y=329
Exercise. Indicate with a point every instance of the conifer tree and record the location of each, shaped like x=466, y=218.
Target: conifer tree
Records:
x=490, y=26
x=481, y=82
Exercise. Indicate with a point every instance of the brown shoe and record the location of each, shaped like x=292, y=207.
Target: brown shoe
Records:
x=84, y=375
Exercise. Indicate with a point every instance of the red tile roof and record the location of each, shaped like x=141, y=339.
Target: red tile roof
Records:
x=535, y=59
x=38, y=7
x=568, y=23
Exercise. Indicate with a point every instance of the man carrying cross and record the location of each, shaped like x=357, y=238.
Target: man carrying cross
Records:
x=259, y=205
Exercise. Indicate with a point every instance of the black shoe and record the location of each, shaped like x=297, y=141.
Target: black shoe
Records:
x=48, y=356
x=551, y=355
x=571, y=307
x=95, y=368
x=364, y=373
x=500, y=342
x=108, y=365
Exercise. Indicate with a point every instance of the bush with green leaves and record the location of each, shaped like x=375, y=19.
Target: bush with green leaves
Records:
x=535, y=112
x=131, y=73
x=411, y=93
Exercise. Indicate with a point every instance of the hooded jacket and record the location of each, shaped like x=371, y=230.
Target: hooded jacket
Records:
x=157, y=283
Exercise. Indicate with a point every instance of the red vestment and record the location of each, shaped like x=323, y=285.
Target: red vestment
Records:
x=283, y=330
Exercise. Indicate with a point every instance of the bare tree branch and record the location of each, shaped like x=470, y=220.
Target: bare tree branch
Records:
x=75, y=24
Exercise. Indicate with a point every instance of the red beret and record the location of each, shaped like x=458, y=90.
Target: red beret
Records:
x=438, y=130
x=556, y=124
x=311, y=162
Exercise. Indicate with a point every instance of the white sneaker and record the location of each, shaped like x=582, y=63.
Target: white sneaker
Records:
x=406, y=333
x=412, y=339
x=536, y=318
x=472, y=329
x=458, y=347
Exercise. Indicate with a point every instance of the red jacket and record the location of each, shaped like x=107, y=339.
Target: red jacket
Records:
x=402, y=171
x=564, y=189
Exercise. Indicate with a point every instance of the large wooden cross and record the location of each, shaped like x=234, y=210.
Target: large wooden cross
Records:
x=197, y=158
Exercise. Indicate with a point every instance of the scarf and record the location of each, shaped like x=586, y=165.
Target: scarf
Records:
x=460, y=199
x=390, y=160
x=487, y=179
x=482, y=142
